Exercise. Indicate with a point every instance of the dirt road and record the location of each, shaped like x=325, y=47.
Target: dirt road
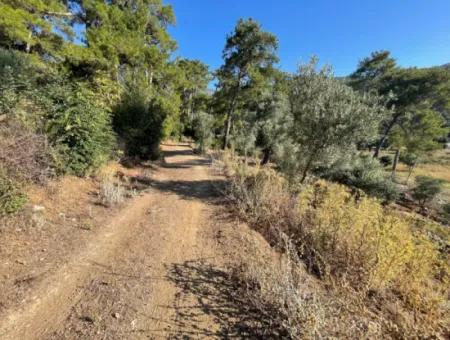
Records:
x=154, y=271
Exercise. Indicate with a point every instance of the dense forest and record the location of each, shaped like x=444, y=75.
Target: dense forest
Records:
x=84, y=82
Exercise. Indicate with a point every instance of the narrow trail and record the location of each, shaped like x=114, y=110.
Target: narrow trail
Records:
x=154, y=272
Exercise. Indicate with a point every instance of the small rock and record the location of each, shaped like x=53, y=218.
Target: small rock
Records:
x=87, y=318
x=38, y=208
x=133, y=324
x=21, y=262
x=116, y=315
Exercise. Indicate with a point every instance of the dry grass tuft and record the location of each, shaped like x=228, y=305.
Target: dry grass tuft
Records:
x=24, y=154
x=276, y=288
x=111, y=193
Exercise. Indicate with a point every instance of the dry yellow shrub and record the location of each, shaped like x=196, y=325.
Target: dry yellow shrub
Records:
x=367, y=245
x=351, y=242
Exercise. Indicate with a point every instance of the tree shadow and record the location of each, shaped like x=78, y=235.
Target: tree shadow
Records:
x=173, y=153
x=201, y=189
x=219, y=296
x=189, y=164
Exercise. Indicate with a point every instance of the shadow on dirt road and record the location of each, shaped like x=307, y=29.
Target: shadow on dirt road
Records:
x=217, y=295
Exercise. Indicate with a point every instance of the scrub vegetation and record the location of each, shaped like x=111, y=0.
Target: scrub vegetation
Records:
x=347, y=178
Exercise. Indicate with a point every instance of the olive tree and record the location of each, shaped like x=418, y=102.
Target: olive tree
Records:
x=328, y=117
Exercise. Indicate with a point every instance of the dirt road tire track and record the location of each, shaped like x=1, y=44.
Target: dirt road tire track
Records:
x=51, y=301
x=126, y=283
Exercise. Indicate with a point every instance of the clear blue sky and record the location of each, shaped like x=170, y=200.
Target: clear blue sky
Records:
x=339, y=32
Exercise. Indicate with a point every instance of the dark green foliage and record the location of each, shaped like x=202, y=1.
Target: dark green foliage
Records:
x=405, y=90
x=37, y=26
x=139, y=121
x=371, y=72
x=78, y=128
x=119, y=33
x=203, y=130
x=427, y=188
x=194, y=78
x=362, y=172
x=386, y=160
x=12, y=198
x=446, y=212
x=410, y=159
x=72, y=99
x=15, y=79
x=249, y=56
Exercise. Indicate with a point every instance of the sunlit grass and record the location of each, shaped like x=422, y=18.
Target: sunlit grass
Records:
x=436, y=164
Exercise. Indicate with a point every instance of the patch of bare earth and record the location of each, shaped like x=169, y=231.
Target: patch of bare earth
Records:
x=155, y=267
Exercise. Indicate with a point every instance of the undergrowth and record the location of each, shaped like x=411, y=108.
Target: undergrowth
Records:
x=12, y=195
x=390, y=277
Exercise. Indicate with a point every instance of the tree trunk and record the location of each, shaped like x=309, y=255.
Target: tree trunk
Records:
x=394, y=165
x=385, y=135
x=379, y=146
x=305, y=171
x=266, y=156
x=411, y=168
x=226, y=137
x=28, y=46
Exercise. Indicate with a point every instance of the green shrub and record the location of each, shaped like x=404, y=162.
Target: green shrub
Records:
x=386, y=160
x=426, y=189
x=12, y=198
x=362, y=172
x=203, y=130
x=139, y=121
x=410, y=159
x=79, y=128
x=446, y=211
x=15, y=79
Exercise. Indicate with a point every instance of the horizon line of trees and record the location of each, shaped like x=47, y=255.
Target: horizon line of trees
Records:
x=116, y=89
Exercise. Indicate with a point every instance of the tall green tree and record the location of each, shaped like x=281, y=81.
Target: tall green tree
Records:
x=403, y=88
x=35, y=26
x=122, y=33
x=273, y=119
x=372, y=72
x=193, y=87
x=249, y=56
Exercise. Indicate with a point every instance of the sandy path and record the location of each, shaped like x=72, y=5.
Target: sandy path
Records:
x=148, y=275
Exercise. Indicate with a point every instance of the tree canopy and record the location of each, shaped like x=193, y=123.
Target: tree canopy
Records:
x=249, y=56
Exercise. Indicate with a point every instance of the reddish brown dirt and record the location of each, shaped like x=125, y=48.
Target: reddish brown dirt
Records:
x=153, y=268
